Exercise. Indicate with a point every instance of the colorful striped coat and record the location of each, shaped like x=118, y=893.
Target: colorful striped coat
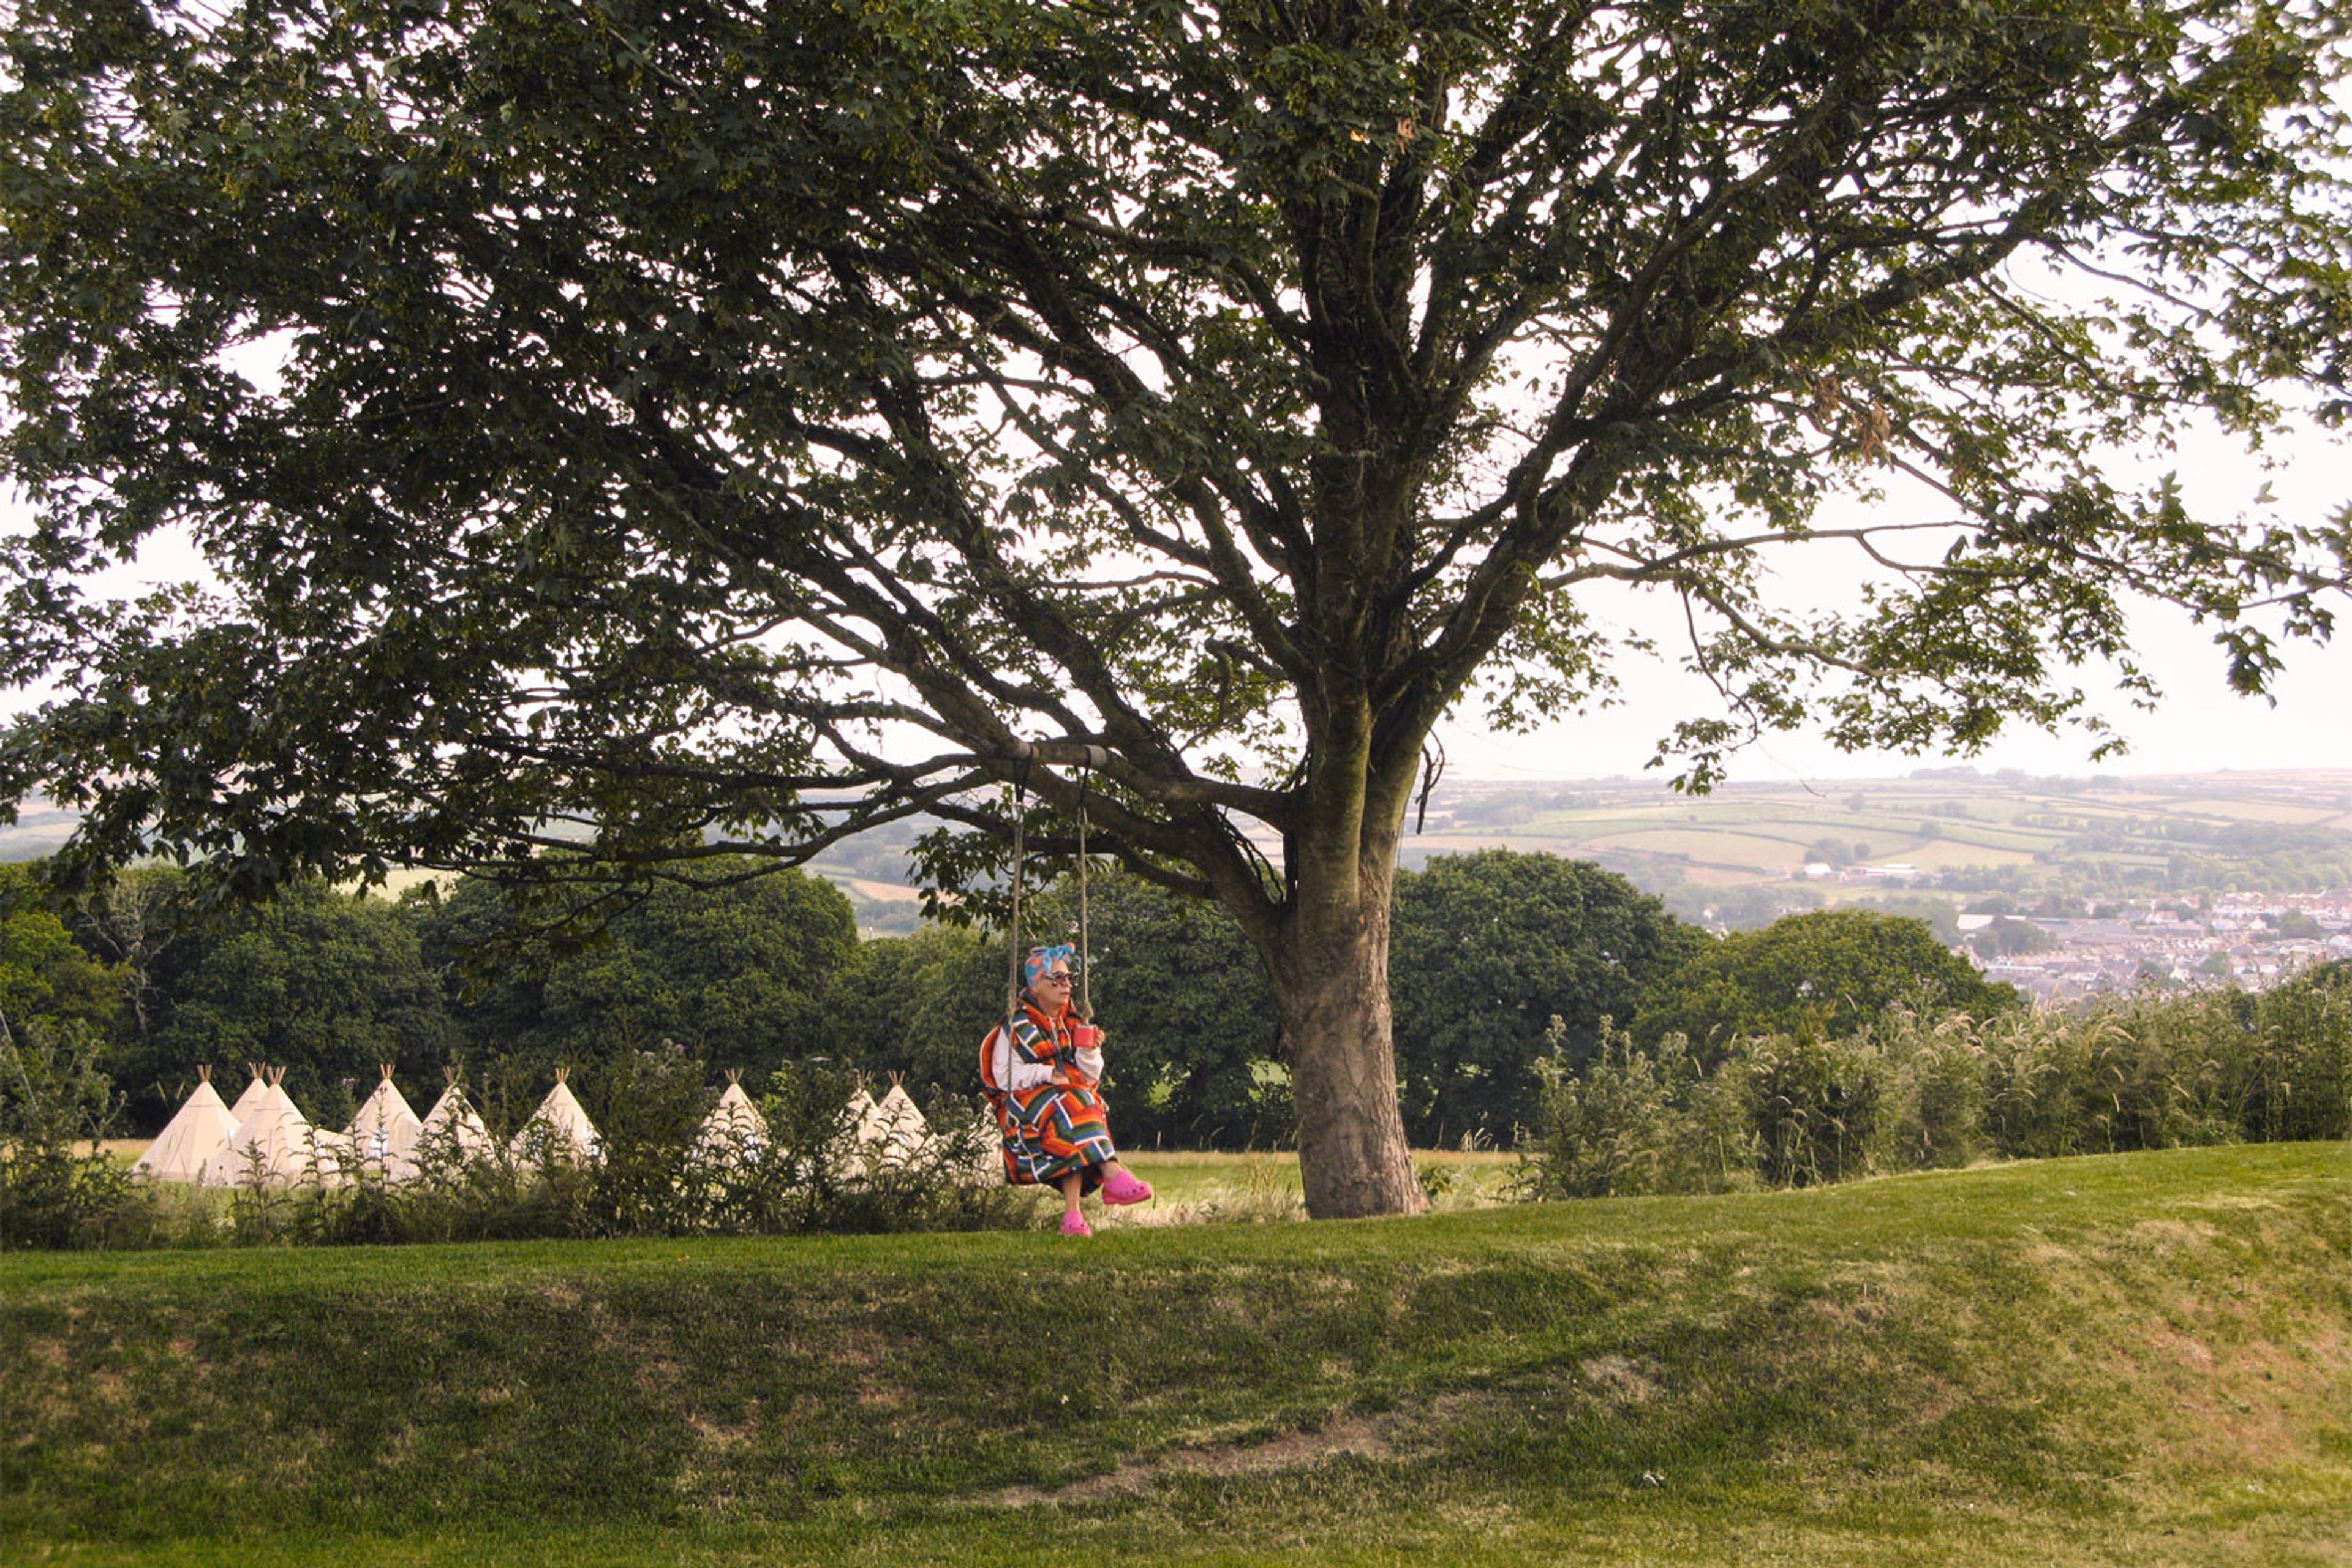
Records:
x=1052, y=1121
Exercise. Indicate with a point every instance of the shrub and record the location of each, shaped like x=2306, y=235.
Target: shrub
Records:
x=1814, y=1106
x=2122, y=1073
x=1632, y=1121
x=654, y=1175
x=1604, y=1132
x=1913, y=1090
x=1935, y=1115
x=2300, y=1085
x=2034, y=1068
x=58, y=1187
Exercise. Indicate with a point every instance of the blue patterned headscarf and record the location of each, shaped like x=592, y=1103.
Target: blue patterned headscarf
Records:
x=1042, y=959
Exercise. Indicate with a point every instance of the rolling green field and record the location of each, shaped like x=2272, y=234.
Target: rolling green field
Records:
x=2143, y=1359
x=2250, y=831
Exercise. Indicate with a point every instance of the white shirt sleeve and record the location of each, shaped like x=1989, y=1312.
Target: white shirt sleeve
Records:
x=1090, y=1064
x=1013, y=1073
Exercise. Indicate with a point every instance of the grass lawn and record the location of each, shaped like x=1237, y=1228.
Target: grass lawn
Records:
x=2134, y=1359
x=1264, y=1186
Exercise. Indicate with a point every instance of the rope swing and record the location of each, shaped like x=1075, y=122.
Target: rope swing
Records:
x=1020, y=851
x=1086, y=968
x=1085, y=998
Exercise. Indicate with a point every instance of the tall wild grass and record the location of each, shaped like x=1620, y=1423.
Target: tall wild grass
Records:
x=1920, y=1091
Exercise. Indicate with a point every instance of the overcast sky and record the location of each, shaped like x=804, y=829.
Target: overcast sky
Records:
x=2199, y=727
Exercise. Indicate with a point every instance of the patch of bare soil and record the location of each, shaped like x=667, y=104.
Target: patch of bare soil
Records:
x=1387, y=1437
x=1294, y=1451
x=1618, y=1380
x=720, y=1436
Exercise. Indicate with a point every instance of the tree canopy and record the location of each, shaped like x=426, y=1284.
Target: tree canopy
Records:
x=657, y=428
x=47, y=979
x=2007, y=935
x=741, y=972
x=324, y=983
x=1489, y=949
x=1823, y=973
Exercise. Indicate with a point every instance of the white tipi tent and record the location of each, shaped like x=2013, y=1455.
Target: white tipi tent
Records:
x=337, y=1153
x=255, y=1095
x=904, y=1130
x=199, y=1129
x=274, y=1145
x=559, y=1125
x=863, y=1131
x=451, y=1124
x=871, y=1125
x=384, y=1132
x=734, y=1127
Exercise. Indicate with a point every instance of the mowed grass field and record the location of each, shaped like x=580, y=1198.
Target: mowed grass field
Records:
x=2135, y=1359
x=1211, y=1187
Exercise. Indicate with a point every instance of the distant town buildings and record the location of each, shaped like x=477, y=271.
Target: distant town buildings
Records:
x=2247, y=939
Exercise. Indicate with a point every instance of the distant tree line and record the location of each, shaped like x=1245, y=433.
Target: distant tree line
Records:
x=1502, y=962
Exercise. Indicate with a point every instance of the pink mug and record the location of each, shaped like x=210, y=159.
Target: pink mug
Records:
x=1084, y=1038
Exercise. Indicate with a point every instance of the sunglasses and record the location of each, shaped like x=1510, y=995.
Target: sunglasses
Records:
x=1057, y=977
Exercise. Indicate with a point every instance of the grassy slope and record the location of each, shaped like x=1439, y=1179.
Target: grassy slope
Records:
x=2074, y=1363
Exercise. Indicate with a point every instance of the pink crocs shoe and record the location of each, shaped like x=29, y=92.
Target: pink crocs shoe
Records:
x=1076, y=1224
x=1122, y=1188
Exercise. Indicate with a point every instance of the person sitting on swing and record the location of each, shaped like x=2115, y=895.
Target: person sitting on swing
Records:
x=1040, y=1079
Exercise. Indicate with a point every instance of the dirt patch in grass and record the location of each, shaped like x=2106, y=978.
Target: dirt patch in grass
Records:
x=718, y=1436
x=1398, y=1435
x=1861, y=1313
x=1292, y=1451
x=1618, y=1379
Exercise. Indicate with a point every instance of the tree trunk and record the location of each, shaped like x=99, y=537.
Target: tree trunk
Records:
x=1331, y=984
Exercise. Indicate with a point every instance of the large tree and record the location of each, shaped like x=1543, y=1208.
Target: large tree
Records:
x=711, y=427
x=46, y=979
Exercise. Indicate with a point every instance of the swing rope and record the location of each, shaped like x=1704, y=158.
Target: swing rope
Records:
x=1085, y=998
x=1013, y=965
x=1086, y=968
